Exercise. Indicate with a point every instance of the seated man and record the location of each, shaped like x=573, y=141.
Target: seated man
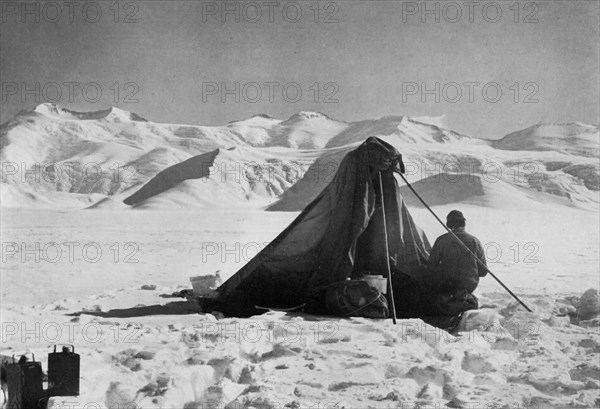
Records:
x=452, y=269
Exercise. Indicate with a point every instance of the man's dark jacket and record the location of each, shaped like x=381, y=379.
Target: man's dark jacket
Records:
x=451, y=267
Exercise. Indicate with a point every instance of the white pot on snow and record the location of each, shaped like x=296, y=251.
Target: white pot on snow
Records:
x=206, y=286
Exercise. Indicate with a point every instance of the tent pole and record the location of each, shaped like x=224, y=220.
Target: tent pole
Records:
x=462, y=244
x=387, y=253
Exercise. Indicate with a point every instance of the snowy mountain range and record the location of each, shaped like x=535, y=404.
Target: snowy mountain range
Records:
x=53, y=157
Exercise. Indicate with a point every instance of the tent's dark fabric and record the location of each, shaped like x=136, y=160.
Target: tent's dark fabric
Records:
x=339, y=234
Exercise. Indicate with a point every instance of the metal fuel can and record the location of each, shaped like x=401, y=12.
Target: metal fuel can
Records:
x=63, y=372
x=25, y=384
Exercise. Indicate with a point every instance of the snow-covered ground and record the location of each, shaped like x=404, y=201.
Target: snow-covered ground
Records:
x=101, y=259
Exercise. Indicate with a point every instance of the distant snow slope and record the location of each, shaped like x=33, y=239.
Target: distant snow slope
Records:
x=574, y=138
x=57, y=158
x=455, y=168
x=304, y=130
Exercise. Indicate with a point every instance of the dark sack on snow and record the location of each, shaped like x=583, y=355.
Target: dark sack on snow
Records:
x=354, y=298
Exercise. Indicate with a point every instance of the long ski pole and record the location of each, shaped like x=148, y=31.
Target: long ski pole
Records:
x=387, y=253
x=481, y=263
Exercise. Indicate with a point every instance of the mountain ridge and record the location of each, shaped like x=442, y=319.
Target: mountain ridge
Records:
x=52, y=151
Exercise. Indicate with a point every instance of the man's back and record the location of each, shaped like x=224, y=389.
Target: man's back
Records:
x=452, y=265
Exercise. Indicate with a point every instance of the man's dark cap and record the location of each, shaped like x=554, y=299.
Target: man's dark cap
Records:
x=454, y=217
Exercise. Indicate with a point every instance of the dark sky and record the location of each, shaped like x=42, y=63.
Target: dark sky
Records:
x=173, y=59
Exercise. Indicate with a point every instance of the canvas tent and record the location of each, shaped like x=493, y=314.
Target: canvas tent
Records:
x=337, y=236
